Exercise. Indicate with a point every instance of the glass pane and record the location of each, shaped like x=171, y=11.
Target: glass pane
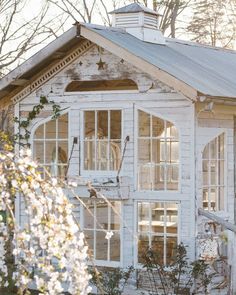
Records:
x=115, y=216
x=213, y=199
x=163, y=151
x=158, y=181
x=144, y=150
x=101, y=246
x=88, y=215
x=102, y=155
x=39, y=151
x=50, y=129
x=143, y=216
x=89, y=236
x=143, y=246
x=172, y=177
x=63, y=126
x=115, y=124
x=205, y=199
x=157, y=127
x=39, y=133
x=144, y=124
x=174, y=151
x=115, y=153
x=89, y=155
x=213, y=167
x=89, y=124
x=158, y=248
x=115, y=247
x=169, y=127
x=171, y=219
x=62, y=152
x=205, y=173
x=174, y=132
x=61, y=171
x=102, y=128
x=221, y=198
x=51, y=153
x=213, y=149
x=221, y=173
x=158, y=218
x=221, y=146
x=205, y=154
x=144, y=176
x=102, y=215
x=171, y=246
x=156, y=151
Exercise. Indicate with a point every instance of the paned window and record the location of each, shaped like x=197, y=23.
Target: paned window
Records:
x=158, y=153
x=50, y=146
x=213, y=163
x=97, y=219
x=158, y=229
x=102, y=140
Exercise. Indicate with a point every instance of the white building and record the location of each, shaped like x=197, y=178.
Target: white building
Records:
x=150, y=121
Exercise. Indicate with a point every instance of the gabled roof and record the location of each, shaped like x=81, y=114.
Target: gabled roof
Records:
x=211, y=71
x=134, y=7
x=190, y=68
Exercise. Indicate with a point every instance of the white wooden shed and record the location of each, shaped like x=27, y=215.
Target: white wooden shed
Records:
x=150, y=122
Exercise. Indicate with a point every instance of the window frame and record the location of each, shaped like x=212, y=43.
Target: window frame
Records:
x=217, y=185
x=100, y=262
x=43, y=121
x=136, y=156
x=98, y=173
x=137, y=264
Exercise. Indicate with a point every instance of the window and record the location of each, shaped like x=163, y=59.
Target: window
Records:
x=158, y=229
x=158, y=153
x=50, y=146
x=102, y=85
x=213, y=164
x=98, y=218
x=102, y=140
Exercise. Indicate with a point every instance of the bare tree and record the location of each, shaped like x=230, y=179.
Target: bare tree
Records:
x=18, y=35
x=77, y=9
x=214, y=22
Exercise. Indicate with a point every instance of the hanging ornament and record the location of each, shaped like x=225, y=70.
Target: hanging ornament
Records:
x=101, y=64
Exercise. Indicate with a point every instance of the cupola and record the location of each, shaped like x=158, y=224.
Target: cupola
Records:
x=139, y=21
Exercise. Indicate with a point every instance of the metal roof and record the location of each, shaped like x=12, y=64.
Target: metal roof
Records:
x=211, y=71
x=208, y=70
x=133, y=7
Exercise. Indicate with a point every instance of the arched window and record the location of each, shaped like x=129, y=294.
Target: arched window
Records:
x=50, y=146
x=213, y=163
x=102, y=85
x=158, y=153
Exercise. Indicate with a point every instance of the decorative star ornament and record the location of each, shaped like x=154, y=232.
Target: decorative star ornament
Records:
x=101, y=64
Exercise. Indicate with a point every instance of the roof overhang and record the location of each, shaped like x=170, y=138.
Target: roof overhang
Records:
x=56, y=50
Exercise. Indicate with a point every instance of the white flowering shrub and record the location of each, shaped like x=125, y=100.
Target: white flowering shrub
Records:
x=50, y=250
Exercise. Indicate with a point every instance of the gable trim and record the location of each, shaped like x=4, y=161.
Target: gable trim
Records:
x=52, y=71
x=152, y=70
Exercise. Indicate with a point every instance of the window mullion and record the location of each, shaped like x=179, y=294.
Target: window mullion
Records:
x=109, y=141
x=164, y=237
x=95, y=141
x=151, y=155
x=94, y=229
x=165, y=157
x=109, y=228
